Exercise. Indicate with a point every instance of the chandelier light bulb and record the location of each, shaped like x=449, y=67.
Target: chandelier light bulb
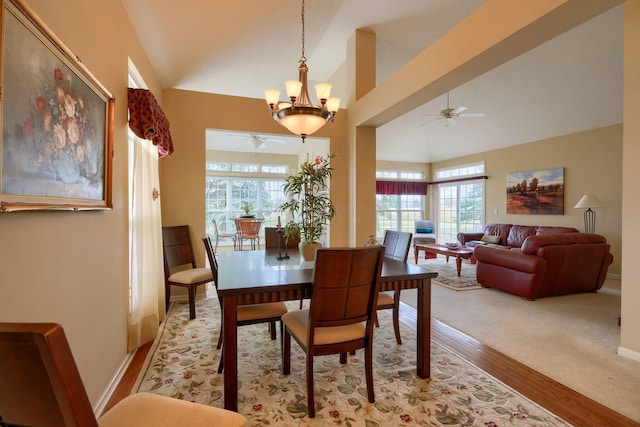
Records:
x=272, y=96
x=293, y=88
x=333, y=104
x=323, y=91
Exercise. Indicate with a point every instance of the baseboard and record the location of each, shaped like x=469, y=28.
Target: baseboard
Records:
x=103, y=400
x=614, y=276
x=629, y=354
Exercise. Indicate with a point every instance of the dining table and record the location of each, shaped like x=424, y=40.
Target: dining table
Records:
x=254, y=277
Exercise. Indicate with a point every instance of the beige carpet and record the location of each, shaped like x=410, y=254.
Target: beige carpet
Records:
x=572, y=339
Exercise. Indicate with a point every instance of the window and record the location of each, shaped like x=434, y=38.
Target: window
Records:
x=460, y=203
x=398, y=212
x=230, y=186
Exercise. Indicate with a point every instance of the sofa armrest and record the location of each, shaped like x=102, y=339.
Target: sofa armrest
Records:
x=465, y=237
x=514, y=260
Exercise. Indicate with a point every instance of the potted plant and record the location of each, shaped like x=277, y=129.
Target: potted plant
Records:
x=310, y=208
x=246, y=209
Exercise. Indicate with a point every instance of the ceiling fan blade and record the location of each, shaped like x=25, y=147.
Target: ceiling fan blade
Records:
x=472, y=115
x=431, y=121
x=458, y=110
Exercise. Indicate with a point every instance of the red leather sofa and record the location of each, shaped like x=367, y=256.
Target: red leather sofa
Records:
x=546, y=265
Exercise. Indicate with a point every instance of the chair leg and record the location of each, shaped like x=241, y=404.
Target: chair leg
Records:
x=368, y=366
x=311, y=404
x=272, y=328
x=167, y=296
x=192, y=301
x=375, y=319
x=286, y=351
x=219, y=339
x=221, y=363
x=396, y=316
x=343, y=358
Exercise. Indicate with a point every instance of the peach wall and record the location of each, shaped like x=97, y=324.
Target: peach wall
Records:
x=592, y=163
x=182, y=175
x=72, y=267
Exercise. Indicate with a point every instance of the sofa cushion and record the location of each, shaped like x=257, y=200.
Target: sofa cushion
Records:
x=519, y=233
x=426, y=230
x=501, y=230
x=490, y=239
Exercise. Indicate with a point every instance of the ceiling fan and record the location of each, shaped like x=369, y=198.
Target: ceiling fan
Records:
x=451, y=114
x=257, y=141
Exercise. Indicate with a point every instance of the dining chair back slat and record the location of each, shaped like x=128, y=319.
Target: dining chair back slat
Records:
x=397, y=245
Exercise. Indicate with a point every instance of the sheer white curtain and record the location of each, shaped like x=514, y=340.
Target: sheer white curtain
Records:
x=146, y=302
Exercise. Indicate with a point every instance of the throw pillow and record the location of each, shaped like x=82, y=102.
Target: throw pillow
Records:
x=490, y=239
x=424, y=230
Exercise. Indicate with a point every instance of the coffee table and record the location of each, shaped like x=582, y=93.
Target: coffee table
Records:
x=459, y=253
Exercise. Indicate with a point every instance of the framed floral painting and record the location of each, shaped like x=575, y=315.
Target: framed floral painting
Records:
x=57, y=121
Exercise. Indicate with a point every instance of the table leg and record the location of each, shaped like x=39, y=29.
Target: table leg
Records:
x=423, y=357
x=230, y=353
x=415, y=253
x=458, y=265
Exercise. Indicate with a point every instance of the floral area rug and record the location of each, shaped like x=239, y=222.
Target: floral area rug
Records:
x=183, y=364
x=448, y=275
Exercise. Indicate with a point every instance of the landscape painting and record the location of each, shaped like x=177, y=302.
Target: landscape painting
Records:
x=536, y=192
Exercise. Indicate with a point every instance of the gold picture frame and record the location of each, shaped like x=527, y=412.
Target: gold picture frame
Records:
x=56, y=148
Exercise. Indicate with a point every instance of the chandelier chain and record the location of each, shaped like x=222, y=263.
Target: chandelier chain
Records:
x=303, y=59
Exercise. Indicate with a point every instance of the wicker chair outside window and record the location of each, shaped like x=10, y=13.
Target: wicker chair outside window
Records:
x=222, y=236
x=248, y=229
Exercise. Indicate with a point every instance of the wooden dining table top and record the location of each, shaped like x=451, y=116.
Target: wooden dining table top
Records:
x=260, y=270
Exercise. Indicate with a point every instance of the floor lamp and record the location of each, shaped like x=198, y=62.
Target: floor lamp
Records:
x=589, y=201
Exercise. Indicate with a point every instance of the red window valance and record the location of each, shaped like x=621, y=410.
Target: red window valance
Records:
x=401, y=187
x=147, y=120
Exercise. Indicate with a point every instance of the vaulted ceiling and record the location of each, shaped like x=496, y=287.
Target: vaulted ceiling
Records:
x=569, y=84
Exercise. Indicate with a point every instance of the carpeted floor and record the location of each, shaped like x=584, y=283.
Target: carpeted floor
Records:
x=183, y=362
x=572, y=339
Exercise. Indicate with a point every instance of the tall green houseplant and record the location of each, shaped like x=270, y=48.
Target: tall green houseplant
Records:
x=309, y=208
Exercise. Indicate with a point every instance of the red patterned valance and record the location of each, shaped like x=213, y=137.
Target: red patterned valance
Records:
x=147, y=120
x=401, y=187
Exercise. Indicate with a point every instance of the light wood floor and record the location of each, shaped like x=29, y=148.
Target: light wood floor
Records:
x=562, y=401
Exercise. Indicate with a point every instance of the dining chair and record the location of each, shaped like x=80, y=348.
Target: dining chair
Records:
x=396, y=244
x=40, y=385
x=180, y=268
x=247, y=314
x=222, y=236
x=249, y=229
x=339, y=320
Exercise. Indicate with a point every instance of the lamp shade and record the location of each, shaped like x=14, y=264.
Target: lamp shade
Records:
x=589, y=201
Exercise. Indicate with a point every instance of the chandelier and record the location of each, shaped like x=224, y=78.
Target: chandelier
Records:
x=299, y=115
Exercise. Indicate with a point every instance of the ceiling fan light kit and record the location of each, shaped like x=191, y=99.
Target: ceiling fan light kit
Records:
x=299, y=115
